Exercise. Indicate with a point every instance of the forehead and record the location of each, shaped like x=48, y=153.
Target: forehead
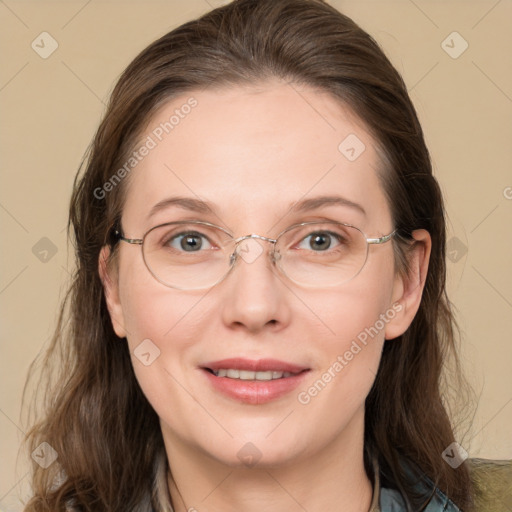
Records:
x=252, y=152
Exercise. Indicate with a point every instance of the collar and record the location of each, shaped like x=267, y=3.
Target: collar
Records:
x=390, y=500
x=374, y=507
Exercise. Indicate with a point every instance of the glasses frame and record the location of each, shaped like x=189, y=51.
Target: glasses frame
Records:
x=234, y=256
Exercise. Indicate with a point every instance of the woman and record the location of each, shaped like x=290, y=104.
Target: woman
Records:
x=258, y=318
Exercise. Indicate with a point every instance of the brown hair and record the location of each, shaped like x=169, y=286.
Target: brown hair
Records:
x=111, y=459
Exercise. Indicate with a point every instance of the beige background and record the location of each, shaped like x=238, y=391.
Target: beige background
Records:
x=51, y=107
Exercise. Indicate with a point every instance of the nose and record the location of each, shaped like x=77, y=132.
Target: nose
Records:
x=254, y=296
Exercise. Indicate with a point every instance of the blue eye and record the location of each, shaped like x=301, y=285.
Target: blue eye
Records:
x=321, y=240
x=191, y=241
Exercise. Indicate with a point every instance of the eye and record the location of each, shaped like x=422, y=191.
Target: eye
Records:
x=190, y=241
x=321, y=240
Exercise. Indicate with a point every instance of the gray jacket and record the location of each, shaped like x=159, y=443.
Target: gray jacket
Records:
x=492, y=480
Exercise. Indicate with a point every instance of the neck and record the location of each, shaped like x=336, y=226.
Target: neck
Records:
x=330, y=480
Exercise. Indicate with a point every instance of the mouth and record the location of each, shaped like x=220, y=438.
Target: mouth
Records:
x=233, y=373
x=254, y=381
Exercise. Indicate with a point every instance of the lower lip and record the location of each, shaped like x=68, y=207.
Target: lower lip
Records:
x=255, y=392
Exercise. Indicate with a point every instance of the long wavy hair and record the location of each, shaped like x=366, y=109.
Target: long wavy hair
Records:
x=110, y=459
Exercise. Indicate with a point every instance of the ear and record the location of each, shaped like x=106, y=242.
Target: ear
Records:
x=407, y=290
x=110, y=281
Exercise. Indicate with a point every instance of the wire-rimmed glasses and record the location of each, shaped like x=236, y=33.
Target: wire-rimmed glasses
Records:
x=191, y=254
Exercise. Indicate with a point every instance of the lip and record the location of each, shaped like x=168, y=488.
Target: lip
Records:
x=252, y=391
x=255, y=365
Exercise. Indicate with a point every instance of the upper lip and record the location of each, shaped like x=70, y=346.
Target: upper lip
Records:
x=255, y=365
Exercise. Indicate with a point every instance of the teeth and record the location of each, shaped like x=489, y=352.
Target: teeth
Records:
x=249, y=375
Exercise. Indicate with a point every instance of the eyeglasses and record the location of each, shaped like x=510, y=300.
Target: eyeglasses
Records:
x=189, y=255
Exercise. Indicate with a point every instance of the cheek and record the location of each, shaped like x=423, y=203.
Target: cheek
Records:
x=162, y=326
x=358, y=327
x=166, y=317
x=353, y=328
x=357, y=307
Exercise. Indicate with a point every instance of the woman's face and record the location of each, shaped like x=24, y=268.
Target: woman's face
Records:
x=253, y=153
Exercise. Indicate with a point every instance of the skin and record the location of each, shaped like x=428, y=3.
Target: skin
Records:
x=253, y=152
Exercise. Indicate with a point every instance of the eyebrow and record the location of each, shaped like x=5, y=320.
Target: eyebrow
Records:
x=200, y=206
x=317, y=202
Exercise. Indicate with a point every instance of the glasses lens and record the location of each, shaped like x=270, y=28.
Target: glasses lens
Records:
x=322, y=254
x=186, y=255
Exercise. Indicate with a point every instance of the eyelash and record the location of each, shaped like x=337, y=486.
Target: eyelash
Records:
x=184, y=234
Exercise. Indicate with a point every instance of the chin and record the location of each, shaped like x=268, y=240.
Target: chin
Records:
x=257, y=451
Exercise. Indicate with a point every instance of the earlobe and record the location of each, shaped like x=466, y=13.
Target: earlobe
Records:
x=408, y=290
x=111, y=290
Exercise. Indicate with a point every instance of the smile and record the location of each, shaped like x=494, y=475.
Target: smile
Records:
x=253, y=382
x=250, y=375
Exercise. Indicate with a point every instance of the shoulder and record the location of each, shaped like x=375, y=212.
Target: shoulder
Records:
x=492, y=481
x=392, y=501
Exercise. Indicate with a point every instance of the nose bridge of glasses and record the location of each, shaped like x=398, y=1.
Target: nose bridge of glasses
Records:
x=251, y=251
x=260, y=237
